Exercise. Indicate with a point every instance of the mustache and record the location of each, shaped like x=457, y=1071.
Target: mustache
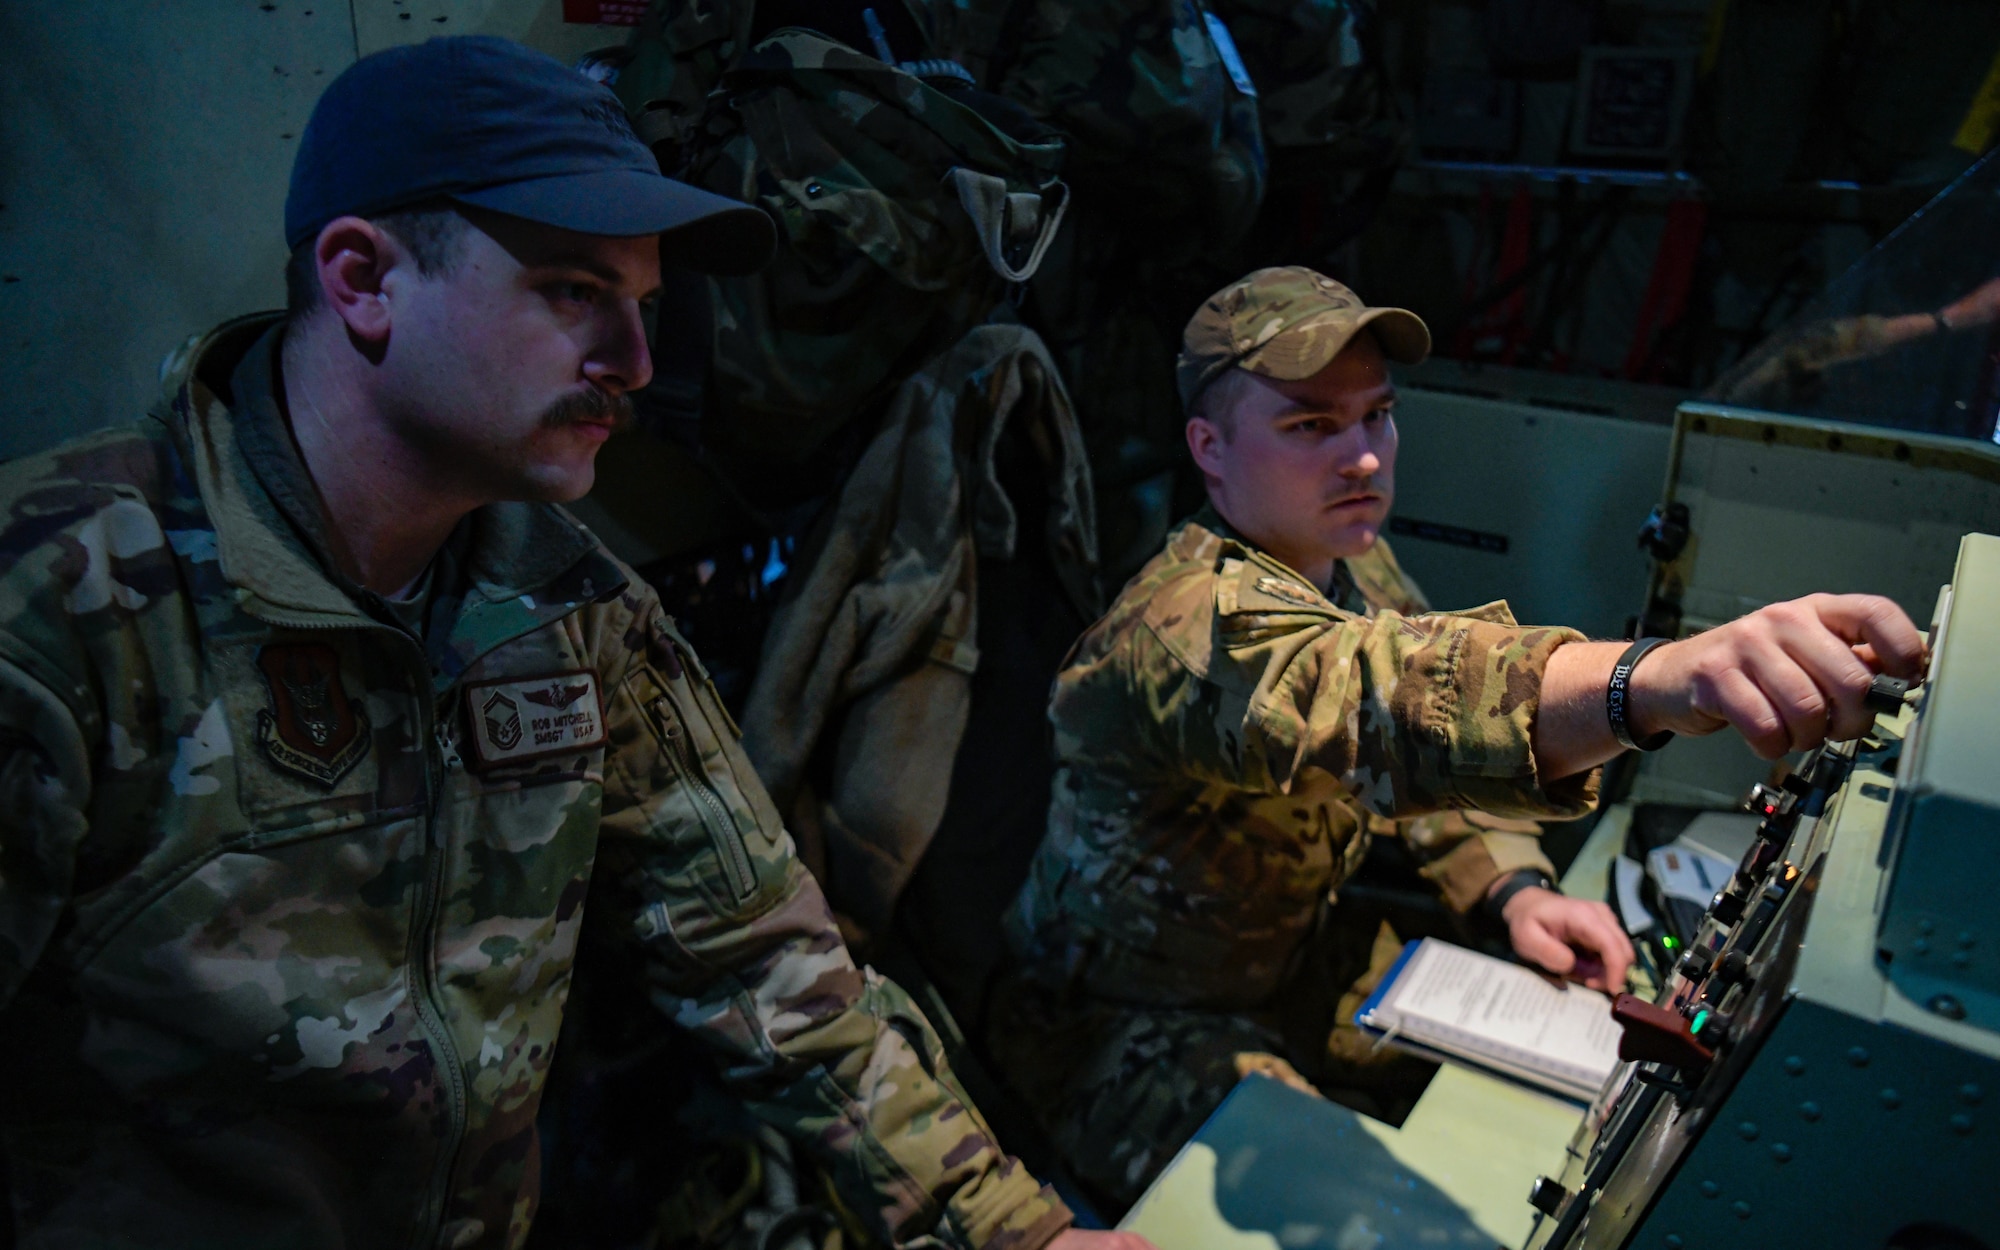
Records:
x=589, y=404
x=1364, y=490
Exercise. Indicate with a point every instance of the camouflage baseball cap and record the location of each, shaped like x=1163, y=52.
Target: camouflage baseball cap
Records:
x=1287, y=323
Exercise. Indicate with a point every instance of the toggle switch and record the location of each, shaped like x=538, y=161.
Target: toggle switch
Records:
x=1713, y=1028
x=1732, y=968
x=1886, y=694
x=1696, y=962
x=1758, y=859
x=1770, y=802
x=1546, y=1195
x=1727, y=907
x=1656, y=1034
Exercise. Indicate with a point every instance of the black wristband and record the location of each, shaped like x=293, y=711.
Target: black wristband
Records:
x=1617, y=698
x=1938, y=319
x=1510, y=885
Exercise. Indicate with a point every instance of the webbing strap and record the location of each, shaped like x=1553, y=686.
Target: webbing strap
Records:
x=995, y=211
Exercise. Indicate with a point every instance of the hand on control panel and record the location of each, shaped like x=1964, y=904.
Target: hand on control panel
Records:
x=1787, y=677
x=1571, y=937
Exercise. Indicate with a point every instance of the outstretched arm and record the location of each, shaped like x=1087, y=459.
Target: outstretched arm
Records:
x=1787, y=677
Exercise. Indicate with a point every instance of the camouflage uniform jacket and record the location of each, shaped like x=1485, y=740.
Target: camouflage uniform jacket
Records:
x=1228, y=738
x=289, y=898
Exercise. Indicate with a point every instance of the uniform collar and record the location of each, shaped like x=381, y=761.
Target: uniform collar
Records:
x=264, y=436
x=1343, y=593
x=526, y=563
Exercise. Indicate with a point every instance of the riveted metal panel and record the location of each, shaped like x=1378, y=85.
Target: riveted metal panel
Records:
x=1838, y=1136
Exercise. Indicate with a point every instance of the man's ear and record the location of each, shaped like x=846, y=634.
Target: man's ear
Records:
x=1204, y=440
x=353, y=257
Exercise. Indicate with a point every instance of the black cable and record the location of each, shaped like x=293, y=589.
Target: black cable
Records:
x=1561, y=268
x=1588, y=255
x=1500, y=290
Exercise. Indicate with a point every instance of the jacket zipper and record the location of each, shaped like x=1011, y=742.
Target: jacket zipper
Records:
x=722, y=828
x=420, y=957
x=422, y=940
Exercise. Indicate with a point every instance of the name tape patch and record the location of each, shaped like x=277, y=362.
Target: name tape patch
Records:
x=516, y=719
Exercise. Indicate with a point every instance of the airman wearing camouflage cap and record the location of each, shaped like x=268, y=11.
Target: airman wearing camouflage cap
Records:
x=1268, y=695
x=1287, y=323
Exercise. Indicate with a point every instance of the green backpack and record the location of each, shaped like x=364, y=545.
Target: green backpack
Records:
x=904, y=214
x=1332, y=126
x=1321, y=82
x=676, y=57
x=1160, y=113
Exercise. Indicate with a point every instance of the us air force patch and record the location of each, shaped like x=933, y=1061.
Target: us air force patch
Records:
x=516, y=719
x=312, y=729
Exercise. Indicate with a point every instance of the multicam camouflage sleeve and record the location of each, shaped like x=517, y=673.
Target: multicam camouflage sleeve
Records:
x=743, y=952
x=1247, y=678
x=1461, y=853
x=1464, y=853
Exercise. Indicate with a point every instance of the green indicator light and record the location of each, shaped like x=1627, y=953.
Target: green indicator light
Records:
x=1700, y=1018
x=1671, y=943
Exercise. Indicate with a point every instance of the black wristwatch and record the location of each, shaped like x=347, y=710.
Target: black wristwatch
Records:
x=1513, y=883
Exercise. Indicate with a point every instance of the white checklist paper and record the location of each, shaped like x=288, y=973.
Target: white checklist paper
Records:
x=1466, y=1005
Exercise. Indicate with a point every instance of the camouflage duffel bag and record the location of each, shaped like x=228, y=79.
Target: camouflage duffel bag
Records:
x=1321, y=82
x=1332, y=127
x=903, y=215
x=677, y=55
x=1159, y=110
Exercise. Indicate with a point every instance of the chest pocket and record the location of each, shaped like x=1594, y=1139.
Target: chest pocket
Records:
x=322, y=729
x=713, y=786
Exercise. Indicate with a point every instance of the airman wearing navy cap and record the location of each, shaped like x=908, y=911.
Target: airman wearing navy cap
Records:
x=324, y=734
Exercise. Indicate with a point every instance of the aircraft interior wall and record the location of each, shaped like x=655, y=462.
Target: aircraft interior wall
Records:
x=143, y=175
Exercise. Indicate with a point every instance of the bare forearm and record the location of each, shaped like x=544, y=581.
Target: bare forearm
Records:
x=1572, y=732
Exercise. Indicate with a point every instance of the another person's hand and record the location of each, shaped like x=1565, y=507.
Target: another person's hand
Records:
x=1787, y=677
x=1571, y=937
x=1098, y=1239
x=1977, y=307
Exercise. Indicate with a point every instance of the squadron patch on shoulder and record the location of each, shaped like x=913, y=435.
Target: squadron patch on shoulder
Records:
x=517, y=719
x=312, y=729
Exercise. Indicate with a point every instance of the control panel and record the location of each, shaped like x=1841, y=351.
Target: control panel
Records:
x=1822, y=1065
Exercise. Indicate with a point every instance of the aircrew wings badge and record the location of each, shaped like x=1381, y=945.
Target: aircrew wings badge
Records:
x=312, y=729
x=518, y=719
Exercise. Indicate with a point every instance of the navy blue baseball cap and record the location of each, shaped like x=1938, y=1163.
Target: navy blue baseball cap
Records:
x=487, y=122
